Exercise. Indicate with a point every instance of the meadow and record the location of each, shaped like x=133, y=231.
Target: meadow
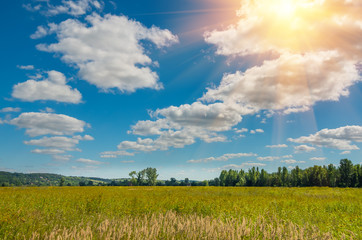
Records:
x=180, y=213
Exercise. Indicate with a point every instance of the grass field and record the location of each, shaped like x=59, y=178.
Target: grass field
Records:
x=179, y=213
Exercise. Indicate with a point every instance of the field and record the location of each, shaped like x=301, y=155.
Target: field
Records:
x=180, y=213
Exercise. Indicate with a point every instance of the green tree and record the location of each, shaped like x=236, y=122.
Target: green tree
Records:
x=187, y=182
x=151, y=174
x=263, y=178
x=61, y=182
x=133, y=176
x=222, y=177
x=141, y=177
x=285, y=177
x=345, y=171
x=332, y=175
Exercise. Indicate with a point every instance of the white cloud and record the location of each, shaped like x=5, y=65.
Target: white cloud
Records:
x=37, y=124
x=304, y=148
x=287, y=156
x=222, y=158
x=58, y=142
x=180, y=126
x=40, y=32
x=291, y=161
x=339, y=138
x=89, y=161
x=85, y=137
x=1, y=121
x=74, y=8
x=262, y=28
x=10, y=109
x=317, y=158
x=214, y=117
x=53, y=88
x=115, y=154
x=26, y=67
x=305, y=70
x=291, y=83
x=49, y=151
x=242, y=130
x=109, y=52
x=277, y=146
x=268, y=158
x=61, y=158
x=345, y=152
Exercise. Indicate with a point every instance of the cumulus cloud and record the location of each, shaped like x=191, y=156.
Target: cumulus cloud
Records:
x=37, y=124
x=256, y=131
x=339, y=138
x=58, y=142
x=345, y=152
x=222, y=158
x=303, y=148
x=291, y=83
x=263, y=27
x=180, y=126
x=320, y=67
x=242, y=130
x=291, y=79
x=109, y=52
x=52, y=88
x=277, y=146
x=10, y=109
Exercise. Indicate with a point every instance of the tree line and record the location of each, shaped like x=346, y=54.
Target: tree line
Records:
x=345, y=175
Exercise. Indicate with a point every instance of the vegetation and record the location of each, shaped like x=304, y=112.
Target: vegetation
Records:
x=346, y=175
x=183, y=212
x=46, y=179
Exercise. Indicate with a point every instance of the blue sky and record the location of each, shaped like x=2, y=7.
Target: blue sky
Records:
x=101, y=88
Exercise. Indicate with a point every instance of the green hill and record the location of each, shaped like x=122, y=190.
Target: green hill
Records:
x=47, y=179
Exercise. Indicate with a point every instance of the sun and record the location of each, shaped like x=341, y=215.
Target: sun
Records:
x=279, y=8
x=285, y=8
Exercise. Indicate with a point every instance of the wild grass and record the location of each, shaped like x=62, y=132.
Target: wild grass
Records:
x=180, y=213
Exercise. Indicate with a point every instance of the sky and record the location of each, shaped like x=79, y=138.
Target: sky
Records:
x=101, y=88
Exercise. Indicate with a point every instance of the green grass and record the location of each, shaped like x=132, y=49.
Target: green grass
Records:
x=27, y=210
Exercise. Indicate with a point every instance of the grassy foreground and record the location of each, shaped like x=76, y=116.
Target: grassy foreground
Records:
x=180, y=213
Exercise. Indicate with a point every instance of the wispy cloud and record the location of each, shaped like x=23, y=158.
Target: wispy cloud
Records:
x=277, y=146
x=222, y=158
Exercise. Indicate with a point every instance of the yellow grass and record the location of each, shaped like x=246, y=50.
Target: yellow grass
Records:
x=179, y=213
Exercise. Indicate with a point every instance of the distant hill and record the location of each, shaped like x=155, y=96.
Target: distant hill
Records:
x=47, y=179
